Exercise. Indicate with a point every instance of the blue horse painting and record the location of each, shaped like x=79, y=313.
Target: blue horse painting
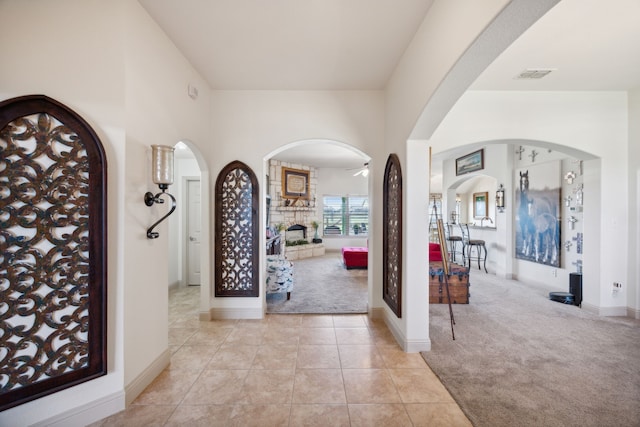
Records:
x=538, y=215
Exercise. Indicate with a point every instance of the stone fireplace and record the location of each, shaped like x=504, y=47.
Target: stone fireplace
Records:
x=296, y=232
x=297, y=215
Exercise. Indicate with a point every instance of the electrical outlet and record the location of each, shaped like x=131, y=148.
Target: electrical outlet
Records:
x=617, y=286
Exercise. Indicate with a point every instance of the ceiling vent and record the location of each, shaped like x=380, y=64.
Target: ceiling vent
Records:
x=534, y=73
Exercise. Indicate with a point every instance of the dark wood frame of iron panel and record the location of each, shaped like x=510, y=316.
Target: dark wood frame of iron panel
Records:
x=255, y=232
x=15, y=108
x=392, y=244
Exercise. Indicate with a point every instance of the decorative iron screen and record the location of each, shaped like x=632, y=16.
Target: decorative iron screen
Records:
x=392, y=236
x=53, y=246
x=237, y=232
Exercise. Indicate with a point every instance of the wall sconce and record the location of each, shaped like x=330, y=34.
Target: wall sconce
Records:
x=162, y=171
x=500, y=199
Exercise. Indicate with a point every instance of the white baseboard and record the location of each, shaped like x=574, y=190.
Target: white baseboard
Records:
x=204, y=316
x=606, y=311
x=417, y=346
x=236, y=313
x=613, y=311
x=633, y=313
x=397, y=333
x=408, y=346
x=88, y=413
x=137, y=386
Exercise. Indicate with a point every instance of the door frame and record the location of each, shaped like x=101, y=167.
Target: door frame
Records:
x=184, y=241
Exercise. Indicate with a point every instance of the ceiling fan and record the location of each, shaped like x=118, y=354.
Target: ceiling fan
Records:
x=364, y=171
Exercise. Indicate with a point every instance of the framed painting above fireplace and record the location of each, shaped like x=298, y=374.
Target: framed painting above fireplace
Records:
x=295, y=184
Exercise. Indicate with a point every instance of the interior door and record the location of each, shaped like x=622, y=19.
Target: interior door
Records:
x=193, y=232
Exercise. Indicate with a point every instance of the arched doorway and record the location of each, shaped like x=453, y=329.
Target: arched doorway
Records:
x=189, y=233
x=335, y=211
x=575, y=173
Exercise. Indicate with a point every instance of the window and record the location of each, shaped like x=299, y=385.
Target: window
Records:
x=345, y=215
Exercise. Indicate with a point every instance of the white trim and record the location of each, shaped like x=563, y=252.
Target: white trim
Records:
x=147, y=376
x=613, y=311
x=236, y=313
x=185, y=225
x=408, y=346
x=608, y=311
x=417, y=346
x=396, y=332
x=88, y=413
x=633, y=313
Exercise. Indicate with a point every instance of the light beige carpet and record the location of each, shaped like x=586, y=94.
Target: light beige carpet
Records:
x=520, y=359
x=323, y=285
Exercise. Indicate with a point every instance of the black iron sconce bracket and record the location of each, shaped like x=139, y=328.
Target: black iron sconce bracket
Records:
x=149, y=200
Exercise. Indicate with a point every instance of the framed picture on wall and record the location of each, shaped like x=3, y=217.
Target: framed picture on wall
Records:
x=480, y=205
x=295, y=184
x=470, y=163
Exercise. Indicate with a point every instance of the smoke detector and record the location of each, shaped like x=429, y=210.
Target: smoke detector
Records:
x=534, y=73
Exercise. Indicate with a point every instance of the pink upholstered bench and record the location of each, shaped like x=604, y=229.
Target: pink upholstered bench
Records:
x=355, y=257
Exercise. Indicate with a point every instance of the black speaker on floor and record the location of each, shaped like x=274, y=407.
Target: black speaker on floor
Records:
x=575, y=287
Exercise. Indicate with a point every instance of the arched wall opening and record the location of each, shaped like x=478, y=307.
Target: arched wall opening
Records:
x=578, y=175
x=186, y=242
x=336, y=162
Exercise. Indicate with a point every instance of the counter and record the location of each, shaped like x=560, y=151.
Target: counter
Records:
x=477, y=227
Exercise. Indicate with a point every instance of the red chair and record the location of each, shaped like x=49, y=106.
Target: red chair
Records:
x=434, y=252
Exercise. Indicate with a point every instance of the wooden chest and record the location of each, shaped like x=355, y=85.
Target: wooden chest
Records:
x=458, y=284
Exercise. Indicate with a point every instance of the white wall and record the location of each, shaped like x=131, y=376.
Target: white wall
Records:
x=130, y=83
x=448, y=30
x=592, y=125
x=252, y=125
x=86, y=74
x=498, y=161
x=159, y=111
x=634, y=208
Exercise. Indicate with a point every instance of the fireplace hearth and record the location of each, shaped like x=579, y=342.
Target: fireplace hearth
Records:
x=296, y=232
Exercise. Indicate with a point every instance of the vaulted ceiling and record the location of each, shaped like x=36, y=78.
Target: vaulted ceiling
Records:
x=356, y=44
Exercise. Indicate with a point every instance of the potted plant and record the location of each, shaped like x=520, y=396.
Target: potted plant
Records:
x=316, y=237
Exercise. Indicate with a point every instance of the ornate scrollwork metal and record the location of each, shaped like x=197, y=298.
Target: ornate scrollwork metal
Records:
x=392, y=235
x=52, y=241
x=237, y=232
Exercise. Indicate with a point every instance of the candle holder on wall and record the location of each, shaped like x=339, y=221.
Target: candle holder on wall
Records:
x=162, y=171
x=500, y=198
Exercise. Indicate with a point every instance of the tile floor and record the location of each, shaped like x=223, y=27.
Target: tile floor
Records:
x=287, y=370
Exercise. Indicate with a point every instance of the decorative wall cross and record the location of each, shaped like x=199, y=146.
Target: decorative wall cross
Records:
x=572, y=221
x=579, y=163
x=533, y=155
x=569, y=177
x=578, y=193
x=578, y=240
x=567, y=245
x=519, y=152
x=567, y=201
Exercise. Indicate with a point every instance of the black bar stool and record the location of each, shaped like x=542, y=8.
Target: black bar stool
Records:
x=452, y=243
x=471, y=244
